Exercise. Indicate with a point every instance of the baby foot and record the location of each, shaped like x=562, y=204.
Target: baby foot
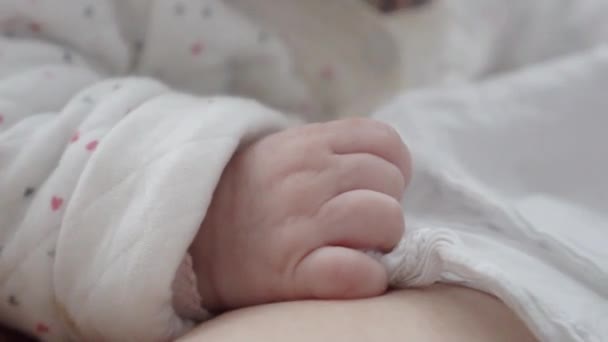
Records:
x=294, y=212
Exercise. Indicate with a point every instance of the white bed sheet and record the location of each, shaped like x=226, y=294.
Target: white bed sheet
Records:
x=511, y=157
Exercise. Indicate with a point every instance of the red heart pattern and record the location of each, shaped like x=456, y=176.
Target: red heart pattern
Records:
x=197, y=48
x=56, y=203
x=92, y=145
x=42, y=328
x=35, y=27
x=327, y=73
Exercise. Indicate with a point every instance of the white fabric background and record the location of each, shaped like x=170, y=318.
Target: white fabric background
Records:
x=507, y=124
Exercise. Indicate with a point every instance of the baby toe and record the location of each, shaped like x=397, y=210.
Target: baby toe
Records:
x=362, y=171
x=369, y=136
x=339, y=273
x=361, y=219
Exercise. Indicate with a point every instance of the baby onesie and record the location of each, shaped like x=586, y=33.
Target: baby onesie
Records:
x=101, y=116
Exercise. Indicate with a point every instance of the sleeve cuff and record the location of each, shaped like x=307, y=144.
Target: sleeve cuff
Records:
x=136, y=209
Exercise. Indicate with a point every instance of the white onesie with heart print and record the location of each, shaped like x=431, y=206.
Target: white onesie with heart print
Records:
x=101, y=118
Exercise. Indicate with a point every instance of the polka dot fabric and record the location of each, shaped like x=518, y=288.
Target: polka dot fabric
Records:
x=94, y=160
x=312, y=58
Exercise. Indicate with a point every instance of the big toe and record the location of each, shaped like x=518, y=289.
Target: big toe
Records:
x=339, y=273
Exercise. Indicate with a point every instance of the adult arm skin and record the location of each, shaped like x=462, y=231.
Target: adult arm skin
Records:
x=438, y=313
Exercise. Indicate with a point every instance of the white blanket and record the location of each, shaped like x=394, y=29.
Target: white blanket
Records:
x=459, y=41
x=509, y=143
x=511, y=173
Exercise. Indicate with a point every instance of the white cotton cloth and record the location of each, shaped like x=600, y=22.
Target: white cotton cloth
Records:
x=454, y=42
x=137, y=207
x=104, y=180
x=507, y=128
x=509, y=193
x=100, y=204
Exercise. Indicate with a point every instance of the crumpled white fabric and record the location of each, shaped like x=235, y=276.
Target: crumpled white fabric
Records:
x=507, y=126
x=136, y=208
x=100, y=203
x=509, y=193
x=105, y=177
x=455, y=42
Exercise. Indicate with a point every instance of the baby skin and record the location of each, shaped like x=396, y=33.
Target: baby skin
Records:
x=295, y=213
